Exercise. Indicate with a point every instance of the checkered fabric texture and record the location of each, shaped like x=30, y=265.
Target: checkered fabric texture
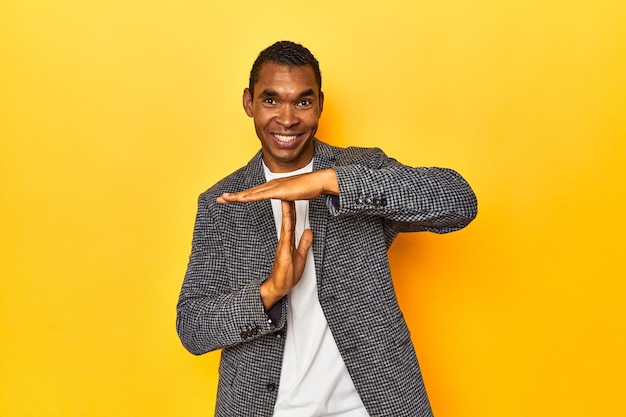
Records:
x=232, y=253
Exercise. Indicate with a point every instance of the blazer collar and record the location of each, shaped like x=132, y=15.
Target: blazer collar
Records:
x=324, y=156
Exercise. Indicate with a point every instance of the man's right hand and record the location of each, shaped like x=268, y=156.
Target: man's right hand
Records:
x=289, y=261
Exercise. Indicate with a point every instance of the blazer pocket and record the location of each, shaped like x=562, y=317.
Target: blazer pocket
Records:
x=401, y=332
x=229, y=365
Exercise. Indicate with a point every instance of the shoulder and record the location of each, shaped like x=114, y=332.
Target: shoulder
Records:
x=352, y=155
x=226, y=184
x=245, y=177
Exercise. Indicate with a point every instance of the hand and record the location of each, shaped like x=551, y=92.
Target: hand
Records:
x=288, y=261
x=298, y=187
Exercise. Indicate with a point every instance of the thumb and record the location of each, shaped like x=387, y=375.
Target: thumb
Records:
x=306, y=240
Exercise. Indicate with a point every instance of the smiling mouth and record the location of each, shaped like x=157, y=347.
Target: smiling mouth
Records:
x=285, y=138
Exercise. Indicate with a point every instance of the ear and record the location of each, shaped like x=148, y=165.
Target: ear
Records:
x=321, y=100
x=247, y=102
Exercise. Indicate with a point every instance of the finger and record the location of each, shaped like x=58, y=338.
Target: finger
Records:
x=251, y=194
x=287, y=231
x=264, y=191
x=292, y=205
x=224, y=199
x=227, y=198
x=306, y=240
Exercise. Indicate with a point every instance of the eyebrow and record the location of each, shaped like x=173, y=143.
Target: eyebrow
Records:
x=268, y=93
x=273, y=93
x=307, y=93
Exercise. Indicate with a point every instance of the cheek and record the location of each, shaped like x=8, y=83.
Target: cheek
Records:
x=260, y=122
x=262, y=117
x=312, y=121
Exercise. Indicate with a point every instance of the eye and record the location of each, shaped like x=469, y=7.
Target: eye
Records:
x=269, y=101
x=304, y=103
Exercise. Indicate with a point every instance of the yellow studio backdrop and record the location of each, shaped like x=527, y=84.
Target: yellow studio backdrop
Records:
x=115, y=115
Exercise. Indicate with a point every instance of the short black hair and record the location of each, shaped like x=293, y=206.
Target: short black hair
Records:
x=286, y=53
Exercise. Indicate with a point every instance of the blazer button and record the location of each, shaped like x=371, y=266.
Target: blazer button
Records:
x=368, y=200
x=271, y=387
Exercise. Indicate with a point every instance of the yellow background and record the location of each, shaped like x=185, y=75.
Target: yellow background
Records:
x=115, y=115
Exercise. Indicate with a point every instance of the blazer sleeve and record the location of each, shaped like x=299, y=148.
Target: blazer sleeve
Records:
x=413, y=199
x=210, y=314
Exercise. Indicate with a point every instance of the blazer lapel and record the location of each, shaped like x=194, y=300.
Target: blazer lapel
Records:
x=318, y=212
x=260, y=212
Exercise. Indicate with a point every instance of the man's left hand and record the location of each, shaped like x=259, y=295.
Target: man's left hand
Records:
x=298, y=187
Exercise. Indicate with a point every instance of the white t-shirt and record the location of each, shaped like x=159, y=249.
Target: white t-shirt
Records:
x=314, y=381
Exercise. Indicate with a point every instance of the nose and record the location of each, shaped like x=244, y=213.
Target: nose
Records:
x=287, y=116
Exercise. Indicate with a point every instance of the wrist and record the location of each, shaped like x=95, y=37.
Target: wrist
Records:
x=331, y=185
x=268, y=295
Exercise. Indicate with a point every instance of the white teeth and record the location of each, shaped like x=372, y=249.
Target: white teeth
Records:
x=283, y=138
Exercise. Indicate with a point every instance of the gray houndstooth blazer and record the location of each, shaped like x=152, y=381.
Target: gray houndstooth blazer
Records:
x=232, y=253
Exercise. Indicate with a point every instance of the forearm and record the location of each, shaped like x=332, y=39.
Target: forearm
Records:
x=206, y=323
x=433, y=199
x=220, y=303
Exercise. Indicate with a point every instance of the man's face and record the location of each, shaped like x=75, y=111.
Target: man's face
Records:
x=286, y=108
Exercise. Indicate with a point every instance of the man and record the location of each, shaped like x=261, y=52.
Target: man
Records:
x=288, y=273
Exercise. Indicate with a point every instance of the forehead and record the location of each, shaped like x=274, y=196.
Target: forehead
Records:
x=283, y=77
